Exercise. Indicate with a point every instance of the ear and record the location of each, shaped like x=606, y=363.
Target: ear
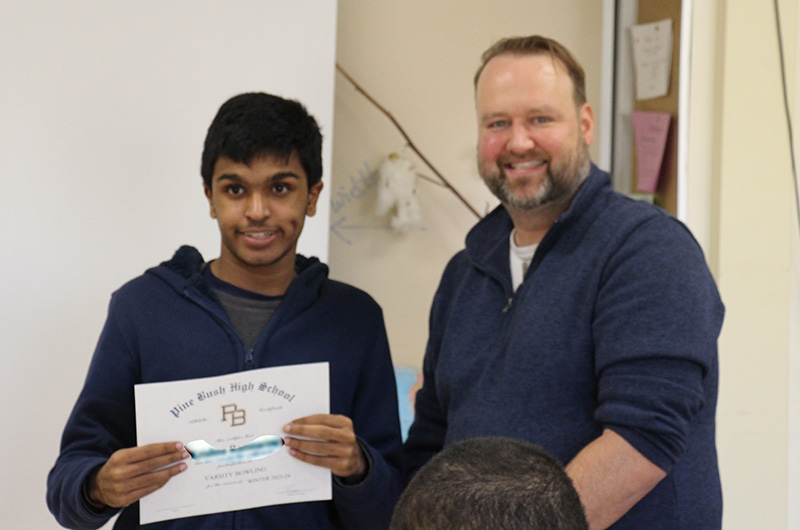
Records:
x=313, y=195
x=207, y=191
x=586, y=120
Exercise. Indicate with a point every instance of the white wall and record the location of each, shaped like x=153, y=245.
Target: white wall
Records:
x=103, y=110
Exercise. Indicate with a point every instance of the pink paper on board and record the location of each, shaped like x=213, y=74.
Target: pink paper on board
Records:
x=650, y=130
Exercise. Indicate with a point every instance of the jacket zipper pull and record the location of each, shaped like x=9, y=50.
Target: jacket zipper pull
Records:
x=248, y=358
x=507, y=308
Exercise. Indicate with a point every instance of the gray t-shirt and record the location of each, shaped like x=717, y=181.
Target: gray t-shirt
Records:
x=249, y=312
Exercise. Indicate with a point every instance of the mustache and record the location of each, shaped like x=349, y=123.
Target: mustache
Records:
x=535, y=154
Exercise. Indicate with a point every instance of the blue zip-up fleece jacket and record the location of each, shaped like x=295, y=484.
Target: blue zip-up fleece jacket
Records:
x=614, y=326
x=168, y=325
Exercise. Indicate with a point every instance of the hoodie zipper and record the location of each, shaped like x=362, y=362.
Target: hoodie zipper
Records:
x=249, y=357
x=249, y=362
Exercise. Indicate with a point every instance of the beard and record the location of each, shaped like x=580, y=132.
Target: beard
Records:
x=561, y=180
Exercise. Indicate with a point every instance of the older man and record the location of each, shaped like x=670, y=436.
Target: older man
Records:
x=576, y=318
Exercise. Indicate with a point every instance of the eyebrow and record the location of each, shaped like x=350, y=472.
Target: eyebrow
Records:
x=235, y=177
x=493, y=116
x=544, y=109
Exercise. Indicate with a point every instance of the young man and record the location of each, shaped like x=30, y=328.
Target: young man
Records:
x=490, y=482
x=576, y=318
x=258, y=305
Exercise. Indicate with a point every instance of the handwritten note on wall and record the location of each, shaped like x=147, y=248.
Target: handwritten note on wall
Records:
x=652, y=58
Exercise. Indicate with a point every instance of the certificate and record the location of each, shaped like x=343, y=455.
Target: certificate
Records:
x=228, y=412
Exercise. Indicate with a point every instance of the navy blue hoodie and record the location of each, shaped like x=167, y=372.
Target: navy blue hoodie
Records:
x=168, y=325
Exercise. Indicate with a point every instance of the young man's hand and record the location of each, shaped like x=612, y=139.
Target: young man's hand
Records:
x=130, y=474
x=334, y=445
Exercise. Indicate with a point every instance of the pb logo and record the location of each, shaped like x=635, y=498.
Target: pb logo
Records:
x=233, y=414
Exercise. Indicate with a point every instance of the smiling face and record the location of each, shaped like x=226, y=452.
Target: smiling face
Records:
x=261, y=209
x=532, y=138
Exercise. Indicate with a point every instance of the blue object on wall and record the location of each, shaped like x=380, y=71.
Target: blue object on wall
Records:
x=409, y=380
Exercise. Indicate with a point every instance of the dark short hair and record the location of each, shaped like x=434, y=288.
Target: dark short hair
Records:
x=491, y=482
x=257, y=124
x=536, y=45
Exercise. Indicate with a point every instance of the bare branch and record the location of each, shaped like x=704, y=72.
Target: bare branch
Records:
x=408, y=140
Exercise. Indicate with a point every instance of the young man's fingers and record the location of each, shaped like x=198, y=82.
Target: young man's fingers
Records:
x=156, y=450
x=334, y=430
x=125, y=491
x=340, y=465
x=312, y=447
x=337, y=466
x=134, y=468
x=155, y=479
x=163, y=461
x=139, y=490
x=142, y=462
x=318, y=432
x=134, y=455
x=330, y=420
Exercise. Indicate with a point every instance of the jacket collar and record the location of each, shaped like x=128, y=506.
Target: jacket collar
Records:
x=487, y=242
x=183, y=273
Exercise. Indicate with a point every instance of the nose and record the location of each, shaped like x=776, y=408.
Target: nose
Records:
x=521, y=140
x=257, y=207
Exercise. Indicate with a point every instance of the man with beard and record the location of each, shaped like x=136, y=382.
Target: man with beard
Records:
x=576, y=318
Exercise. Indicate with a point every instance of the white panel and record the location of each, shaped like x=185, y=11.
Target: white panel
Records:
x=605, y=114
x=623, y=171
x=684, y=84
x=103, y=110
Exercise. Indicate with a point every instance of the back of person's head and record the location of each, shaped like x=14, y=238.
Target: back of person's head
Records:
x=255, y=124
x=494, y=482
x=537, y=45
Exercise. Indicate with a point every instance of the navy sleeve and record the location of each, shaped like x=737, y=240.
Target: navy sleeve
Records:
x=426, y=436
x=101, y=422
x=657, y=319
x=369, y=504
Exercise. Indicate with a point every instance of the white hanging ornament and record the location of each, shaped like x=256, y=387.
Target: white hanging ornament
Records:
x=397, y=190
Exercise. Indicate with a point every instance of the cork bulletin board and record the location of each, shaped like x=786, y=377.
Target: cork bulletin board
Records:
x=666, y=195
x=630, y=13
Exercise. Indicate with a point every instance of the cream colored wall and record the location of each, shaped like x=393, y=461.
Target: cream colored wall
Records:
x=755, y=220
x=417, y=58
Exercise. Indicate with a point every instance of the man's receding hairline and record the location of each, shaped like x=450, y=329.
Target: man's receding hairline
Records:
x=521, y=54
x=527, y=53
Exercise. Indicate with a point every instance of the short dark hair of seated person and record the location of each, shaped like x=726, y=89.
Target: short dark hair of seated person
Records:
x=492, y=482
